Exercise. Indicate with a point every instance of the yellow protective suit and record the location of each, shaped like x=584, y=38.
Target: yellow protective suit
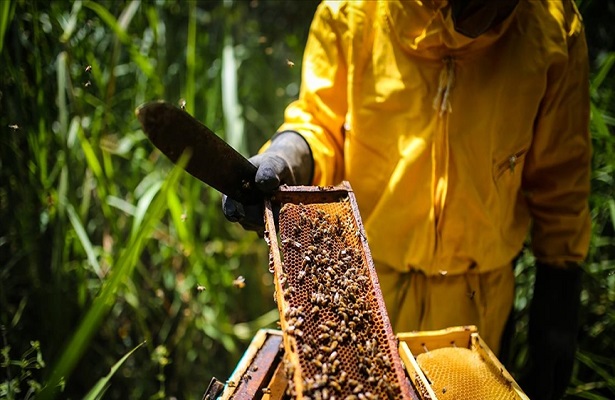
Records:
x=452, y=145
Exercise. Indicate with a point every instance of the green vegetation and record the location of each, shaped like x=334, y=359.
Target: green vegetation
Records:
x=117, y=269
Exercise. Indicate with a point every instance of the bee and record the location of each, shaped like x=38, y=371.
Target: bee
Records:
x=200, y=288
x=88, y=69
x=335, y=386
x=182, y=104
x=239, y=282
x=290, y=63
x=288, y=292
x=87, y=84
x=300, y=276
x=14, y=127
x=266, y=390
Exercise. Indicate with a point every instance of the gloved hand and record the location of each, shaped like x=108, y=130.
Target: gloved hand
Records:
x=288, y=160
x=553, y=328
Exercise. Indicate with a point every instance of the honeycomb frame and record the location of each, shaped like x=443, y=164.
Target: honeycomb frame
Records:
x=414, y=344
x=338, y=339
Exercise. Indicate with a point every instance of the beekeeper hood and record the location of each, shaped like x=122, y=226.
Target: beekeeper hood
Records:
x=472, y=18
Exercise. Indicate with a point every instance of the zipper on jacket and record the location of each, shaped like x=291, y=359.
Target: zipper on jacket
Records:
x=441, y=102
x=441, y=151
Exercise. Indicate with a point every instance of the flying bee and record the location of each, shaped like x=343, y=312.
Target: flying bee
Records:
x=88, y=69
x=239, y=282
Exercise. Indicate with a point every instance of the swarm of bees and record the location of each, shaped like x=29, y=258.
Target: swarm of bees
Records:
x=330, y=310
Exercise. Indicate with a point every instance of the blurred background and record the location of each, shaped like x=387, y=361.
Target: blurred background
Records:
x=106, y=248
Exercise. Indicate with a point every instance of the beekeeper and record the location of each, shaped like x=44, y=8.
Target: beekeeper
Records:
x=461, y=125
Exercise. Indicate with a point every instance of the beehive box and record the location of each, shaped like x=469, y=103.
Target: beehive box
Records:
x=337, y=336
x=455, y=363
x=260, y=374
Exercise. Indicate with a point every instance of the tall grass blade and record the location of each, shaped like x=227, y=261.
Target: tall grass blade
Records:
x=119, y=29
x=588, y=360
x=177, y=213
x=84, y=239
x=121, y=271
x=611, y=203
x=143, y=206
x=6, y=15
x=190, y=89
x=233, y=120
x=604, y=70
x=62, y=86
x=71, y=24
x=101, y=386
x=601, y=130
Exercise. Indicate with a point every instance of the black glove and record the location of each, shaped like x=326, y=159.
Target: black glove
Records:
x=288, y=160
x=553, y=328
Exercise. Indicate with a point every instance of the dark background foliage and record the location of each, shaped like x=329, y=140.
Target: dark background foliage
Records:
x=104, y=246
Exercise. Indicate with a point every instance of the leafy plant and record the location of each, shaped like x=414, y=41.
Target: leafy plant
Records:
x=19, y=372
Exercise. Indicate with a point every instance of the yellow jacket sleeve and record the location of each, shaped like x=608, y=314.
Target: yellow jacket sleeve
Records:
x=319, y=113
x=557, y=173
